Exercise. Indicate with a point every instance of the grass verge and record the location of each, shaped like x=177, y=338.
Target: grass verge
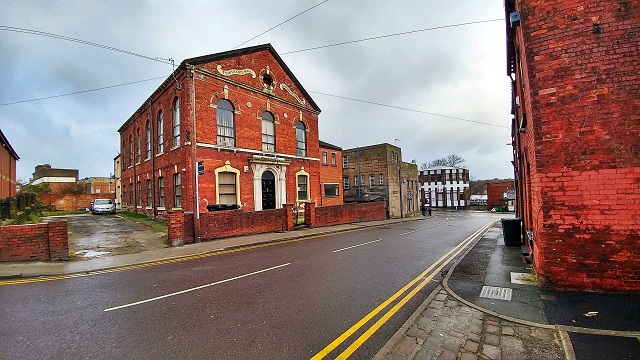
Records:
x=61, y=212
x=155, y=224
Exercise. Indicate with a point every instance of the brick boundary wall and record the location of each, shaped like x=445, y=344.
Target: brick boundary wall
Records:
x=348, y=213
x=222, y=224
x=46, y=241
x=71, y=202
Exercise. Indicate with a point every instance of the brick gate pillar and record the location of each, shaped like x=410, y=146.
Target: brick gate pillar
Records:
x=290, y=221
x=176, y=228
x=310, y=214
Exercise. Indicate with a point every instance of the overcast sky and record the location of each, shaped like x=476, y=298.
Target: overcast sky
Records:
x=458, y=72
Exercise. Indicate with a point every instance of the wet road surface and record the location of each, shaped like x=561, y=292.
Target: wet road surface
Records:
x=282, y=301
x=107, y=235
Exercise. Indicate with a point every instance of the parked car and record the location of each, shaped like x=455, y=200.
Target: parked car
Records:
x=102, y=206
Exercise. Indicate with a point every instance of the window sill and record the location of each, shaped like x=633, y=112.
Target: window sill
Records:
x=175, y=147
x=149, y=208
x=158, y=154
x=138, y=207
x=160, y=208
x=176, y=209
x=147, y=159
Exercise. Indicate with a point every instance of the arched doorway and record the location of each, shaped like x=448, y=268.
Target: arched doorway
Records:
x=268, y=190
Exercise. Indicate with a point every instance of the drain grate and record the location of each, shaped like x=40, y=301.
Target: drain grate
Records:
x=494, y=292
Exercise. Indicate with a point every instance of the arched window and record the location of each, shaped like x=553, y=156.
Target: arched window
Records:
x=148, y=139
x=160, y=133
x=225, y=122
x=130, y=150
x=268, y=132
x=138, y=150
x=301, y=139
x=176, y=122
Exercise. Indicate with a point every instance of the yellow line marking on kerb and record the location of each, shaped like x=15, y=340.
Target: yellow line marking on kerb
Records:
x=426, y=276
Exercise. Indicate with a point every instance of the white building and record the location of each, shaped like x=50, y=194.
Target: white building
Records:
x=444, y=187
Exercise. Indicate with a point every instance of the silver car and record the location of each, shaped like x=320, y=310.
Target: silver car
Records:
x=102, y=206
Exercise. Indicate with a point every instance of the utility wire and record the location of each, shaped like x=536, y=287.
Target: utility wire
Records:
x=80, y=41
x=391, y=35
x=411, y=110
x=291, y=18
x=82, y=92
x=35, y=32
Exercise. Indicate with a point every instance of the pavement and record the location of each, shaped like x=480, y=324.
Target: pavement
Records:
x=479, y=312
x=476, y=312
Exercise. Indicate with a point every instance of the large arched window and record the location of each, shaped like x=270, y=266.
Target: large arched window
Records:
x=138, y=150
x=176, y=122
x=130, y=150
x=148, y=139
x=160, y=133
x=225, y=122
x=301, y=139
x=268, y=132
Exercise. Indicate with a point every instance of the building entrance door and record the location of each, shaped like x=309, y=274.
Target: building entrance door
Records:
x=268, y=190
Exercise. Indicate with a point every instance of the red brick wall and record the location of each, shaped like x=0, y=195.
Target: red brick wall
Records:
x=495, y=192
x=180, y=228
x=220, y=224
x=581, y=148
x=71, y=202
x=349, y=213
x=47, y=241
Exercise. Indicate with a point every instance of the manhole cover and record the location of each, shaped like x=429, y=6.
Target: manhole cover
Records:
x=494, y=292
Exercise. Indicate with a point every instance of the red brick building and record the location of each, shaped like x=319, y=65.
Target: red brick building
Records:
x=575, y=70
x=8, y=158
x=500, y=195
x=233, y=128
x=330, y=174
x=60, y=181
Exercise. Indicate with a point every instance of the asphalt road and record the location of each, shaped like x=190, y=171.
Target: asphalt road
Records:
x=284, y=301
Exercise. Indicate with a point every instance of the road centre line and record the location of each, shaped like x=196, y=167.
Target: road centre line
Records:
x=426, y=276
x=195, y=288
x=354, y=246
x=409, y=232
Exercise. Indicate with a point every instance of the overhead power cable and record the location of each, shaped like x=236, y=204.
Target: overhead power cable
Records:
x=81, y=92
x=80, y=41
x=35, y=32
x=289, y=19
x=392, y=35
x=411, y=110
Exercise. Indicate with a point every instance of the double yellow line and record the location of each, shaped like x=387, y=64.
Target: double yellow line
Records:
x=425, y=276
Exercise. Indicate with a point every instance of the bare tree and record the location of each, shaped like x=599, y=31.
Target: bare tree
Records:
x=452, y=160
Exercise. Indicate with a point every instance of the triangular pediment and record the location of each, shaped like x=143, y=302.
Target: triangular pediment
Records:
x=259, y=67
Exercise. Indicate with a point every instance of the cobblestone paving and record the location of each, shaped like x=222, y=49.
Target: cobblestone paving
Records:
x=451, y=330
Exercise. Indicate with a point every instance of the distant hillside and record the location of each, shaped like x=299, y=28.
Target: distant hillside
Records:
x=479, y=187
